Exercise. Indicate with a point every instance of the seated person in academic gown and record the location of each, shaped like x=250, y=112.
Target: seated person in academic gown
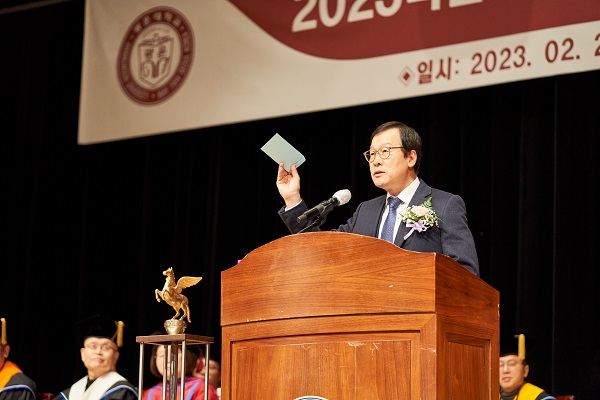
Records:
x=194, y=386
x=14, y=384
x=100, y=353
x=513, y=372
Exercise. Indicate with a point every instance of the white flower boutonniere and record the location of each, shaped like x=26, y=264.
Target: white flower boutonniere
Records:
x=419, y=218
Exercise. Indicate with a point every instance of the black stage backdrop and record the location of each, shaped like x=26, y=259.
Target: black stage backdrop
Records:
x=89, y=229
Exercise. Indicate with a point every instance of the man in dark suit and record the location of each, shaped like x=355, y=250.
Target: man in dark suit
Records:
x=394, y=158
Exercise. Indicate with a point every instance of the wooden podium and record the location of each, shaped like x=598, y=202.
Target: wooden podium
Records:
x=342, y=316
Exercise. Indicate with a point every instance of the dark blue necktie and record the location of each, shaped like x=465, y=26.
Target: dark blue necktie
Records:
x=387, y=233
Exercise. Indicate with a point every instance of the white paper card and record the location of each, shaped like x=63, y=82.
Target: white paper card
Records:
x=281, y=151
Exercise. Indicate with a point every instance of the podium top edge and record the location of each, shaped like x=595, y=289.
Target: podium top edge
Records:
x=168, y=339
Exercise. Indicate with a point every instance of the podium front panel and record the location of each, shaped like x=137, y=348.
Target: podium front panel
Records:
x=347, y=358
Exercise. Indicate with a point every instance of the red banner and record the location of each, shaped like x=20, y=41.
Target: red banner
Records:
x=356, y=29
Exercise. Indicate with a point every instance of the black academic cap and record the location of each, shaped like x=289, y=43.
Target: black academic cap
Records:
x=102, y=327
x=513, y=345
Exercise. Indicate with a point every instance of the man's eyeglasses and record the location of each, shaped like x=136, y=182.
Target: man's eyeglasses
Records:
x=95, y=346
x=510, y=364
x=384, y=153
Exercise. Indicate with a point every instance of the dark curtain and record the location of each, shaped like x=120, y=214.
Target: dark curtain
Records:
x=89, y=229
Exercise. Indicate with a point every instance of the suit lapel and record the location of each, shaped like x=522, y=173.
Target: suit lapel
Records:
x=379, y=210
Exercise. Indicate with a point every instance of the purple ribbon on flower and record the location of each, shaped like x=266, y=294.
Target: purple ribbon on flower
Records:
x=417, y=226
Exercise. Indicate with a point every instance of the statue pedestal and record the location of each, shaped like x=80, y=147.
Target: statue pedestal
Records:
x=174, y=341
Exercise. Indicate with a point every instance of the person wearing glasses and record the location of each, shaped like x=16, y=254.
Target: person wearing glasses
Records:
x=514, y=371
x=14, y=384
x=411, y=214
x=100, y=353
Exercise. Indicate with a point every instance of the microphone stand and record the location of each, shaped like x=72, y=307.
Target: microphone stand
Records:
x=317, y=222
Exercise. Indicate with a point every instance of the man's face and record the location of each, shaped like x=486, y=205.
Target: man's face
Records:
x=391, y=174
x=4, y=351
x=512, y=373
x=99, y=355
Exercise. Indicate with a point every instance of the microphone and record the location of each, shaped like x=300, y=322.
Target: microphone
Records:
x=339, y=198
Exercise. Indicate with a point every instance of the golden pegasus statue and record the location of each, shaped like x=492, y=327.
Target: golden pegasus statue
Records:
x=171, y=293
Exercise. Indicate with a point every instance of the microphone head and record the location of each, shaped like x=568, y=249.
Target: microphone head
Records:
x=343, y=196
